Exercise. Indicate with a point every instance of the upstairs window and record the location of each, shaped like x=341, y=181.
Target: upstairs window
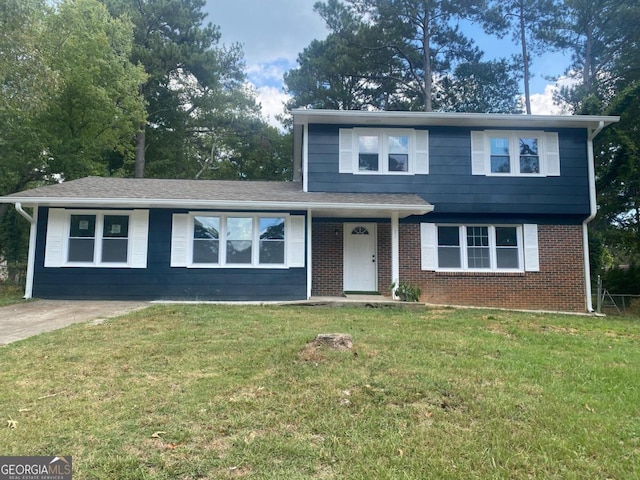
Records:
x=511, y=153
x=384, y=151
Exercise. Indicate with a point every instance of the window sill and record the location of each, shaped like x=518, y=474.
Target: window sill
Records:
x=96, y=265
x=274, y=266
x=402, y=174
x=478, y=273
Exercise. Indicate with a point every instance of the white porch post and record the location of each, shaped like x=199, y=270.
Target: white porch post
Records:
x=395, y=252
x=309, y=254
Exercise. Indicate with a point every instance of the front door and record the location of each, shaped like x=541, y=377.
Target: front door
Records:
x=360, y=262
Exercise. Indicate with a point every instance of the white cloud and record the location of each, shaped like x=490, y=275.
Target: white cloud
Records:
x=544, y=104
x=270, y=74
x=272, y=100
x=268, y=30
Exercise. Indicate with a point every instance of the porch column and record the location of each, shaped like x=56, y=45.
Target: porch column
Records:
x=395, y=251
x=309, y=254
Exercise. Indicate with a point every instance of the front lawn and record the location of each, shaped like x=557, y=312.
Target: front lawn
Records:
x=186, y=392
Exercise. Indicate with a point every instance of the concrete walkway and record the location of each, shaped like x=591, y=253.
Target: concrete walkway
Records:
x=23, y=320
x=26, y=319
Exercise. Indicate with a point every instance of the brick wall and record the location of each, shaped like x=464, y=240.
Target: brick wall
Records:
x=559, y=285
x=327, y=247
x=328, y=244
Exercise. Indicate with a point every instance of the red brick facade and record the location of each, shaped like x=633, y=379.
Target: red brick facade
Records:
x=559, y=285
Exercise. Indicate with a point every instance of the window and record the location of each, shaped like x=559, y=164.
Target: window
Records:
x=384, y=151
x=510, y=153
x=206, y=239
x=98, y=239
x=479, y=247
x=239, y=240
x=272, y=247
x=78, y=238
x=231, y=240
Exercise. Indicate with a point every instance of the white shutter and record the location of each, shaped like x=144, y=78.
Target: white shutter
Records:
x=531, y=256
x=551, y=154
x=179, y=240
x=346, y=151
x=295, y=242
x=422, y=152
x=139, y=233
x=478, y=153
x=56, y=233
x=428, y=245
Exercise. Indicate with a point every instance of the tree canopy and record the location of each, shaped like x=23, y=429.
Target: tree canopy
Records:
x=401, y=55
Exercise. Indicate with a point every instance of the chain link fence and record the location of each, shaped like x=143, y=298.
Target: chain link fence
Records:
x=615, y=304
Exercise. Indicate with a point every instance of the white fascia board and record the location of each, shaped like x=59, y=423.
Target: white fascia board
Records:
x=485, y=120
x=418, y=209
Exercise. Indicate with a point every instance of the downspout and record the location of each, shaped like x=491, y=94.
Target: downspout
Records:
x=309, y=253
x=592, y=212
x=28, y=289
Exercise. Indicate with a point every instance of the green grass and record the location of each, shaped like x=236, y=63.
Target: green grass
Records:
x=10, y=294
x=186, y=392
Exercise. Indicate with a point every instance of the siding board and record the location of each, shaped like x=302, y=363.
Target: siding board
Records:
x=450, y=187
x=159, y=281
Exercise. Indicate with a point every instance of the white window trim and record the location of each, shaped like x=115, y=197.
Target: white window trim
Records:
x=418, y=151
x=548, y=152
x=182, y=241
x=58, y=234
x=528, y=255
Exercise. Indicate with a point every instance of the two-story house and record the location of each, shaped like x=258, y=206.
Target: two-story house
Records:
x=474, y=209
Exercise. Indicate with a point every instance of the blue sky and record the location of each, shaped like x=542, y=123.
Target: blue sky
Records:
x=273, y=33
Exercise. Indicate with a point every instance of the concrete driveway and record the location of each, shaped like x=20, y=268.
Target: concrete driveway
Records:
x=30, y=318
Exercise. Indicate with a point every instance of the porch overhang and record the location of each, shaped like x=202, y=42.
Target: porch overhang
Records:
x=96, y=193
x=371, y=211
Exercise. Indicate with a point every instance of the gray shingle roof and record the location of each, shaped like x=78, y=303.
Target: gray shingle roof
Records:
x=109, y=191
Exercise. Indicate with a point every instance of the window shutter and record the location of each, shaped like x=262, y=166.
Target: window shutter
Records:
x=296, y=241
x=531, y=256
x=428, y=245
x=422, y=152
x=478, y=153
x=56, y=233
x=139, y=238
x=179, y=240
x=552, y=154
x=346, y=151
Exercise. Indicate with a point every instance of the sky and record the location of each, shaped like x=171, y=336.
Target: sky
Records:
x=273, y=32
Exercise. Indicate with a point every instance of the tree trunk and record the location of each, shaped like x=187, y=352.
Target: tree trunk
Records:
x=587, y=69
x=140, y=150
x=525, y=60
x=428, y=79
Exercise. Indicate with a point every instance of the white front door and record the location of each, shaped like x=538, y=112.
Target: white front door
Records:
x=360, y=262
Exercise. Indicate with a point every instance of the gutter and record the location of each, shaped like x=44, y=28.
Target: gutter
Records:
x=33, y=220
x=593, y=209
x=21, y=211
x=415, y=209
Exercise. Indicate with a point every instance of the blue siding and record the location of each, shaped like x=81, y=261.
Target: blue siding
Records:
x=159, y=281
x=451, y=188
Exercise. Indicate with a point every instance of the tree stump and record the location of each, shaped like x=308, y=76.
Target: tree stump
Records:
x=337, y=341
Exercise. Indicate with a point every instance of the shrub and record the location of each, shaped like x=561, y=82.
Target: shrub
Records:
x=406, y=292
